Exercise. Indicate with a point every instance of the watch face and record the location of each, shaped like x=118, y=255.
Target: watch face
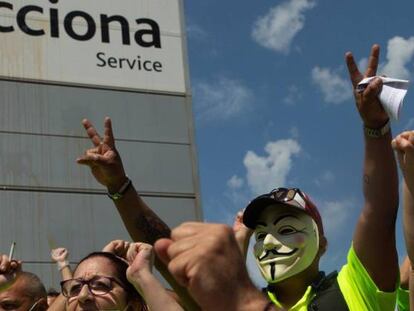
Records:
x=115, y=196
x=376, y=133
x=118, y=195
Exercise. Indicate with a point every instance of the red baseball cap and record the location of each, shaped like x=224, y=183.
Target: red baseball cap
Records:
x=287, y=197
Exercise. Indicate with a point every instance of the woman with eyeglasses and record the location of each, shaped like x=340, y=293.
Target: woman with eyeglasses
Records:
x=99, y=283
x=114, y=279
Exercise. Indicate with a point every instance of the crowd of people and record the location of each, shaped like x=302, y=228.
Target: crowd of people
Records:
x=205, y=263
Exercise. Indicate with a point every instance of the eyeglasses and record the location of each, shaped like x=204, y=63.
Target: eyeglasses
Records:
x=35, y=304
x=98, y=286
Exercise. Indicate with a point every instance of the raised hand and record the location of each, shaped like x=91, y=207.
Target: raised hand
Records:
x=118, y=247
x=139, y=273
x=140, y=257
x=59, y=254
x=103, y=159
x=242, y=233
x=206, y=259
x=239, y=227
x=8, y=271
x=370, y=109
x=403, y=144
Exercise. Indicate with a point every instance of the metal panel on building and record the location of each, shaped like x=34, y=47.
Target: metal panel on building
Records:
x=58, y=110
x=60, y=62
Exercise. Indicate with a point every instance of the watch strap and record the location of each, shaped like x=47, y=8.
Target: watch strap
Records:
x=378, y=132
x=120, y=193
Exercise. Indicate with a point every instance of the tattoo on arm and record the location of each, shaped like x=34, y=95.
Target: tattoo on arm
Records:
x=152, y=228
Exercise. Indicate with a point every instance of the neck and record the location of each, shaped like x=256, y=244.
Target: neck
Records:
x=291, y=290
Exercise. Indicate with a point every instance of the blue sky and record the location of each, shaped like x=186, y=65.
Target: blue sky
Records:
x=273, y=105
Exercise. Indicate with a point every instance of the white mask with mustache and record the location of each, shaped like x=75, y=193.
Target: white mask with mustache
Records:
x=287, y=242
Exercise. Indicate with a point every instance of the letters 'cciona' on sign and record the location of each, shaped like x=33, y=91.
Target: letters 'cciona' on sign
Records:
x=147, y=35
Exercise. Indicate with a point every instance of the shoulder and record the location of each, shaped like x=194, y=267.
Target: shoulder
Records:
x=359, y=290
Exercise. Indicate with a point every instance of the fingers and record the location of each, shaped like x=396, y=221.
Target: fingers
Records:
x=121, y=248
x=403, y=144
x=91, y=160
x=373, y=61
x=179, y=265
x=5, y=263
x=117, y=247
x=403, y=140
x=185, y=230
x=58, y=254
x=373, y=89
x=108, y=135
x=59, y=251
x=354, y=73
x=181, y=246
x=239, y=216
x=16, y=265
x=92, y=133
x=161, y=246
x=8, y=266
x=132, y=252
x=138, y=248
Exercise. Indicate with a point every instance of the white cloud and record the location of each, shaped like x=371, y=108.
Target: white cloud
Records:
x=235, y=182
x=327, y=177
x=196, y=32
x=335, y=215
x=280, y=25
x=221, y=100
x=334, y=88
x=293, y=96
x=400, y=52
x=265, y=173
x=237, y=193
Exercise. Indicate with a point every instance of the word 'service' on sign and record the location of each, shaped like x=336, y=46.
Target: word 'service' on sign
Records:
x=130, y=63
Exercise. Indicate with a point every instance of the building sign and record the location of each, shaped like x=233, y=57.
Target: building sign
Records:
x=123, y=44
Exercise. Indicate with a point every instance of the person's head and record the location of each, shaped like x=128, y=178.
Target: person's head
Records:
x=289, y=233
x=99, y=283
x=52, y=294
x=26, y=293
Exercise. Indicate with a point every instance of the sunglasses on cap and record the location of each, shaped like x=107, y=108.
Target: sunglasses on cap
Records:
x=286, y=195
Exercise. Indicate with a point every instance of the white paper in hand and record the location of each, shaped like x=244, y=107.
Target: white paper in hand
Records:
x=391, y=96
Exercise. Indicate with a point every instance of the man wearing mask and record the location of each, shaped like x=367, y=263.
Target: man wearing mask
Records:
x=289, y=234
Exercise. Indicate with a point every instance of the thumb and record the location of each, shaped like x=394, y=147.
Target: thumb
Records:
x=161, y=246
x=394, y=144
x=373, y=88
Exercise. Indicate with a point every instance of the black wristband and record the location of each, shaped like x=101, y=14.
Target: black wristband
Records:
x=120, y=193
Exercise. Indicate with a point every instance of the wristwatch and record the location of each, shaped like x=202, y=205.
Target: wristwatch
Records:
x=378, y=132
x=120, y=193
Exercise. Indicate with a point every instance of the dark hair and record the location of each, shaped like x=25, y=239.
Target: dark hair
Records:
x=120, y=269
x=51, y=292
x=35, y=288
